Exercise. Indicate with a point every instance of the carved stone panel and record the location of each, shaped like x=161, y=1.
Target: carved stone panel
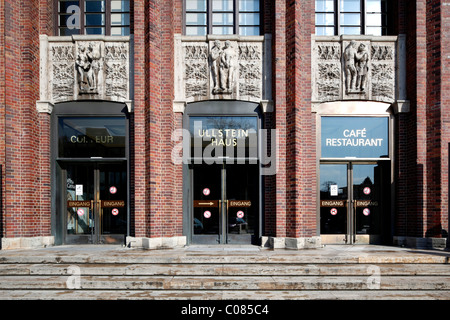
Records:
x=89, y=68
x=84, y=67
x=383, y=71
x=208, y=68
x=250, y=70
x=359, y=69
x=356, y=66
x=328, y=71
x=223, y=64
x=195, y=75
x=62, y=61
x=116, y=70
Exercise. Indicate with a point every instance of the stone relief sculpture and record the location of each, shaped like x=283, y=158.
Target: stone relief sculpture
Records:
x=355, y=67
x=328, y=72
x=365, y=70
x=250, y=71
x=219, y=68
x=383, y=72
x=63, y=64
x=222, y=67
x=362, y=67
x=196, y=70
x=116, y=78
x=84, y=69
x=87, y=64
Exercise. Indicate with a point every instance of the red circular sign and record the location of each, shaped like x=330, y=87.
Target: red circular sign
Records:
x=207, y=214
x=115, y=211
x=333, y=211
x=206, y=191
x=240, y=214
x=366, y=190
x=366, y=211
x=113, y=190
x=80, y=212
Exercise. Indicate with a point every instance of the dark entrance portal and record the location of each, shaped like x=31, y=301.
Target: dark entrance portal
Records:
x=226, y=204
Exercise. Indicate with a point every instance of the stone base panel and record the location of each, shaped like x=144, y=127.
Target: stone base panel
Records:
x=420, y=243
x=155, y=243
x=27, y=242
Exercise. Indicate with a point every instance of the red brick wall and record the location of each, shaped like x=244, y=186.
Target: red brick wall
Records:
x=157, y=181
x=295, y=191
x=445, y=117
x=422, y=181
x=422, y=138
x=25, y=134
x=139, y=146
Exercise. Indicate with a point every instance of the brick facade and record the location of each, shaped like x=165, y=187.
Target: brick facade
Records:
x=421, y=137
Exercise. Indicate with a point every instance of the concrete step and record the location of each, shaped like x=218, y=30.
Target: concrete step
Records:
x=268, y=269
x=262, y=296
x=343, y=273
x=234, y=282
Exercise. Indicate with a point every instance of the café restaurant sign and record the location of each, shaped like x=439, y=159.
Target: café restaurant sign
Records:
x=354, y=137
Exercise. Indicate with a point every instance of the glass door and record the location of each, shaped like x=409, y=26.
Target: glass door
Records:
x=370, y=201
x=334, y=199
x=354, y=199
x=96, y=202
x=225, y=204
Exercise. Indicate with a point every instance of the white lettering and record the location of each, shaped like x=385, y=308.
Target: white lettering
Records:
x=336, y=142
x=73, y=22
x=192, y=310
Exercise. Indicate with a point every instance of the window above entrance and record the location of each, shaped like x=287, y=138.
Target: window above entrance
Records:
x=99, y=17
x=222, y=17
x=352, y=17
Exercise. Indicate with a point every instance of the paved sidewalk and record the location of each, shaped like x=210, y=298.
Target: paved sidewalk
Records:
x=228, y=253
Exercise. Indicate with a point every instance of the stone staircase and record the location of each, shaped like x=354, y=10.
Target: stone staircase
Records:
x=205, y=273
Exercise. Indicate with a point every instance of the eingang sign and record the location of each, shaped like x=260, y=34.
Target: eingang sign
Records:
x=355, y=137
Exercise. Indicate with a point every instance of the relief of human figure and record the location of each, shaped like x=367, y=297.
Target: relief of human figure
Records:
x=221, y=62
x=88, y=66
x=362, y=67
x=356, y=67
x=349, y=66
x=227, y=68
x=214, y=62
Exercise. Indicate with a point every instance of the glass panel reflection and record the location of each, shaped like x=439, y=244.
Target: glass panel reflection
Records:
x=85, y=137
x=333, y=198
x=360, y=137
x=215, y=137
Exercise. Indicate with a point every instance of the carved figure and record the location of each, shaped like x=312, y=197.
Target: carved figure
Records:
x=214, y=62
x=349, y=65
x=88, y=66
x=362, y=66
x=356, y=66
x=222, y=67
x=226, y=68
